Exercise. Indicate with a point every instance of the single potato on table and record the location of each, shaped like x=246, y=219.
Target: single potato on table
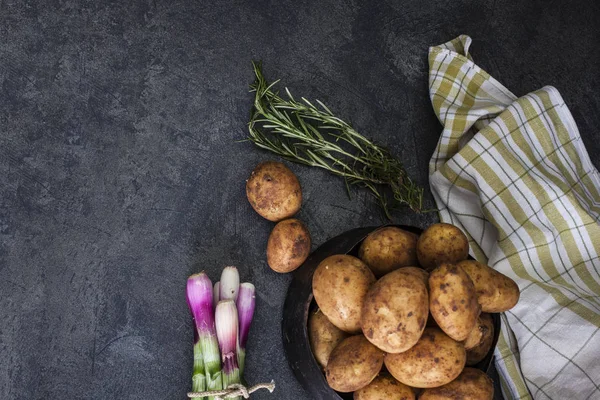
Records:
x=496, y=292
x=453, y=301
x=288, y=246
x=471, y=384
x=274, y=191
x=323, y=337
x=395, y=311
x=385, y=387
x=478, y=352
x=388, y=249
x=435, y=360
x=340, y=284
x=353, y=364
x=441, y=243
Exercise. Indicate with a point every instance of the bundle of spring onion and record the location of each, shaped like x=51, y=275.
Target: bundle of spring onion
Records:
x=222, y=317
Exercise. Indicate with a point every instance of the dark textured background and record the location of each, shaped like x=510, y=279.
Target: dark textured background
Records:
x=120, y=174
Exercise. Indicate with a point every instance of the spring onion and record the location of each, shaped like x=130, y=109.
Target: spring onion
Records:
x=245, y=305
x=226, y=319
x=200, y=301
x=230, y=284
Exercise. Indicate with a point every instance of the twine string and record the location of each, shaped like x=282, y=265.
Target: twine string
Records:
x=233, y=390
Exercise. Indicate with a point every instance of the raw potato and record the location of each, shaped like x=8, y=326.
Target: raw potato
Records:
x=496, y=292
x=323, y=336
x=478, y=352
x=395, y=311
x=385, y=387
x=274, y=191
x=475, y=335
x=471, y=384
x=340, y=284
x=441, y=243
x=435, y=360
x=353, y=364
x=288, y=245
x=453, y=301
x=388, y=249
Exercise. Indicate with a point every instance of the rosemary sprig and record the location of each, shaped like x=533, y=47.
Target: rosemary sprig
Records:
x=309, y=134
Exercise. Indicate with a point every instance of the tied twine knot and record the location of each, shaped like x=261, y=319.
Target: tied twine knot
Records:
x=233, y=390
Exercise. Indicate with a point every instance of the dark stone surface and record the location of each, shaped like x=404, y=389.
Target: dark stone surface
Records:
x=120, y=174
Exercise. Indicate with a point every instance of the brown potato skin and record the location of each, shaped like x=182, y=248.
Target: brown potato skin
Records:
x=288, y=246
x=395, y=310
x=353, y=364
x=453, y=301
x=441, y=243
x=478, y=352
x=385, y=387
x=340, y=284
x=388, y=249
x=274, y=191
x=475, y=335
x=435, y=360
x=323, y=337
x=496, y=292
x=419, y=272
x=471, y=384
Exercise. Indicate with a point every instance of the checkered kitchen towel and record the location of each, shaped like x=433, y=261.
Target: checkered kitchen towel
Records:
x=514, y=174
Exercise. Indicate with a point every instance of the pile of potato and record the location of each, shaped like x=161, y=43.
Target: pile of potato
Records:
x=405, y=317
x=274, y=192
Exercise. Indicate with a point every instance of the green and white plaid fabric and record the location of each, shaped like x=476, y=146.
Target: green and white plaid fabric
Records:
x=514, y=174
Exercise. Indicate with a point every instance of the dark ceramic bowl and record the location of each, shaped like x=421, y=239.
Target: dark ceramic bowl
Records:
x=299, y=302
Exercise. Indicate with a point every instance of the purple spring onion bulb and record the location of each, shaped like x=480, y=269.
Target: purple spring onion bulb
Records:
x=230, y=284
x=245, y=305
x=200, y=301
x=226, y=319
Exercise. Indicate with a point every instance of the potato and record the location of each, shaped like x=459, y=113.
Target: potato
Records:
x=452, y=301
x=353, y=364
x=274, y=191
x=441, y=243
x=478, y=352
x=496, y=292
x=340, y=284
x=288, y=245
x=395, y=311
x=435, y=360
x=388, y=249
x=385, y=387
x=471, y=384
x=323, y=337
x=475, y=335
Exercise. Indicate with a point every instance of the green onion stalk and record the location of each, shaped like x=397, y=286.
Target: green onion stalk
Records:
x=200, y=302
x=198, y=373
x=245, y=306
x=226, y=319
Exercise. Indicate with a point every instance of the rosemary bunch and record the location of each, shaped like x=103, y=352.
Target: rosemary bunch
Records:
x=309, y=134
